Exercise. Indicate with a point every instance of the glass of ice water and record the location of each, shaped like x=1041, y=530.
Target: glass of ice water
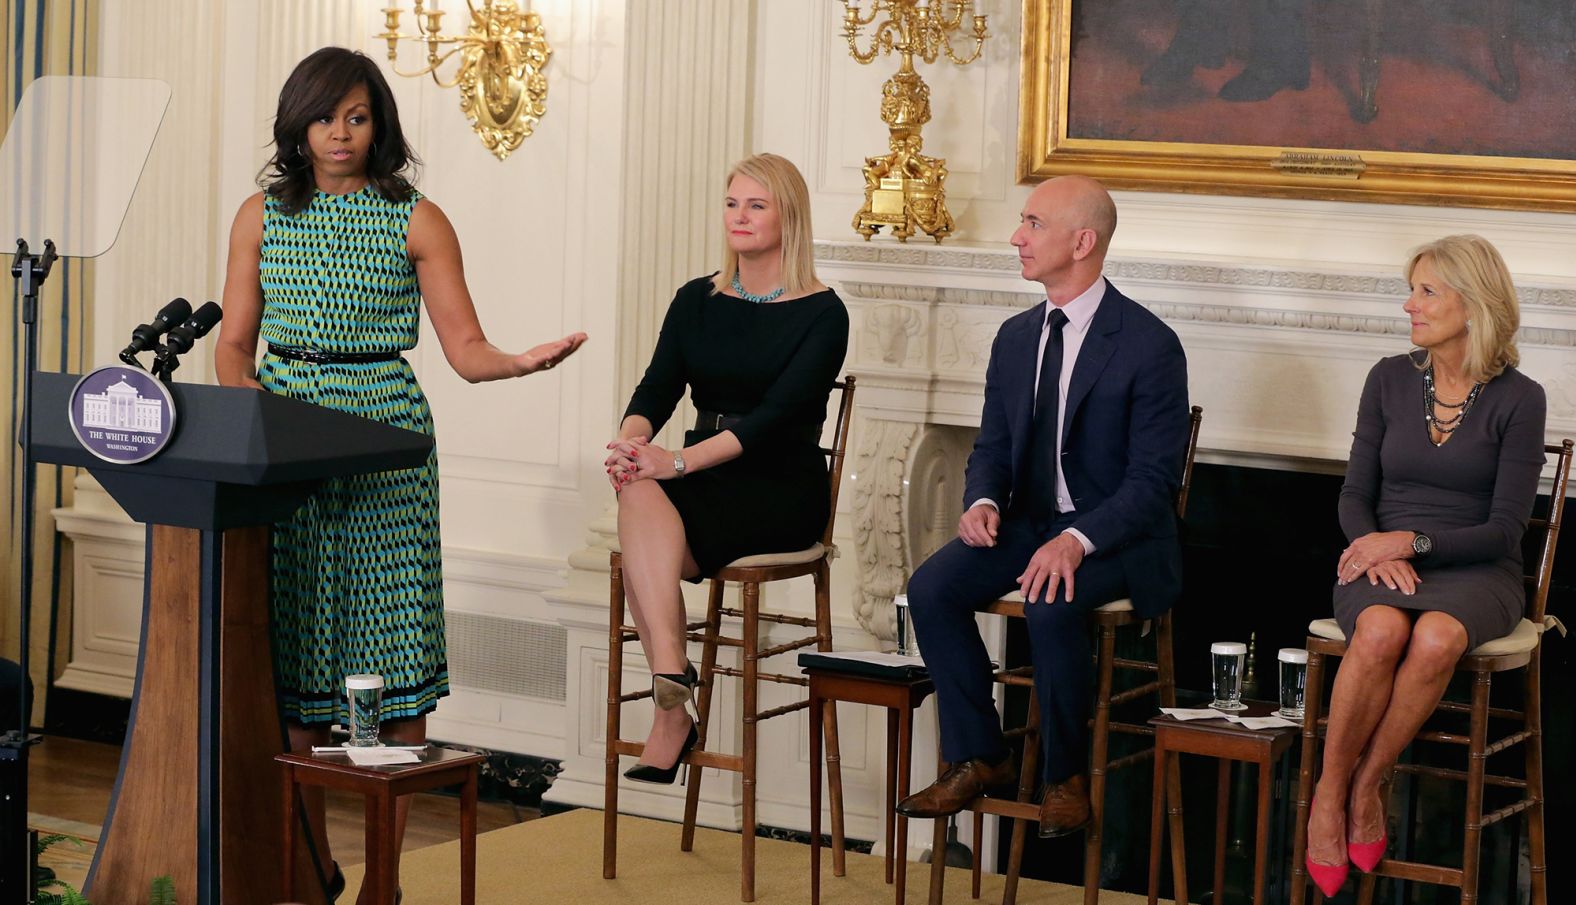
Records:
x=1228, y=658
x=1293, y=681
x=906, y=643
x=364, y=697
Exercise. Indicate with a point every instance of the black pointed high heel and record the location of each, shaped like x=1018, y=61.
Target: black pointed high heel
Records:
x=336, y=883
x=664, y=776
x=670, y=690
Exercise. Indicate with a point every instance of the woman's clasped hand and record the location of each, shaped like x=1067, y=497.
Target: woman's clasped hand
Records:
x=1381, y=556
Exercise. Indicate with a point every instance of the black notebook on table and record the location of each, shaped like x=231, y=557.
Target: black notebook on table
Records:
x=893, y=667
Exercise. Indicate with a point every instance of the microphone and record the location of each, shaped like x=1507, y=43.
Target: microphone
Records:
x=182, y=338
x=147, y=335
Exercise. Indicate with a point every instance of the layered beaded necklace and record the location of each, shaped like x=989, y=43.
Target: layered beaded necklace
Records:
x=1445, y=426
x=757, y=299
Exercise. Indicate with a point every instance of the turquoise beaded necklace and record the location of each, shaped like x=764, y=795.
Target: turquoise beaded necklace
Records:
x=757, y=299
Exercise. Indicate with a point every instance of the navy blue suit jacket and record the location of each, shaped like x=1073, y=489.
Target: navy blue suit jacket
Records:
x=1124, y=437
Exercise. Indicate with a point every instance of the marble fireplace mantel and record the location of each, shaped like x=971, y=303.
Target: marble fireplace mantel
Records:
x=1277, y=358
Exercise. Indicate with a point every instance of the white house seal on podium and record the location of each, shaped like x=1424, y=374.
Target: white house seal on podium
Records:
x=122, y=415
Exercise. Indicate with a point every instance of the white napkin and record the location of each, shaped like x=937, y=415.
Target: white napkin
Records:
x=1185, y=713
x=1262, y=722
x=372, y=757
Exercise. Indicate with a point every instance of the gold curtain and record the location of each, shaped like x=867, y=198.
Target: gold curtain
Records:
x=41, y=37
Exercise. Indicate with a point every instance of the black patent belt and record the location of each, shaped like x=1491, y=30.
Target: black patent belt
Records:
x=721, y=421
x=329, y=358
x=715, y=421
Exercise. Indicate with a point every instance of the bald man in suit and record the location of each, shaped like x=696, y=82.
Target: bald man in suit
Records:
x=1069, y=499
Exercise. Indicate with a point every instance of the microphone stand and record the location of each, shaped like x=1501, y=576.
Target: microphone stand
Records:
x=165, y=363
x=16, y=850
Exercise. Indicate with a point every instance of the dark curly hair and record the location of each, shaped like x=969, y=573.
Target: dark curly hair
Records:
x=312, y=91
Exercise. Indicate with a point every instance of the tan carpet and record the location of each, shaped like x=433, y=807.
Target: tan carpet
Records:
x=559, y=860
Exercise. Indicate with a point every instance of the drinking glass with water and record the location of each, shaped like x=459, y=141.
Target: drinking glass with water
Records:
x=1293, y=681
x=907, y=645
x=364, y=697
x=1228, y=658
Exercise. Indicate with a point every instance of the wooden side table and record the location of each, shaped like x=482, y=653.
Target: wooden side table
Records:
x=1228, y=742
x=901, y=697
x=380, y=786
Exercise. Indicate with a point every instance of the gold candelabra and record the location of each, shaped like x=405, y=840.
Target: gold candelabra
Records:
x=905, y=189
x=503, y=90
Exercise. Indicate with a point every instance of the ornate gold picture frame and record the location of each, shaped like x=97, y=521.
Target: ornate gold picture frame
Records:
x=1463, y=104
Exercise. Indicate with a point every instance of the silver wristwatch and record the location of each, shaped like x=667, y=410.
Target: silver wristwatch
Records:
x=678, y=464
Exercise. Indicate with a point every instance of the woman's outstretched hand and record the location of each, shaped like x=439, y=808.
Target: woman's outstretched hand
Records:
x=546, y=355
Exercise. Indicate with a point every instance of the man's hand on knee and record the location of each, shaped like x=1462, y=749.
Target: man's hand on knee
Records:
x=978, y=526
x=1054, y=563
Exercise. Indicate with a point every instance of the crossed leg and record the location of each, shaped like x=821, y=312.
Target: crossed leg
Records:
x=656, y=558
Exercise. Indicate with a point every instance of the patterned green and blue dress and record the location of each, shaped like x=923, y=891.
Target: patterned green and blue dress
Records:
x=357, y=571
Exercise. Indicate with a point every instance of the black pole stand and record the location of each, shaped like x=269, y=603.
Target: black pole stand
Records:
x=16, y=845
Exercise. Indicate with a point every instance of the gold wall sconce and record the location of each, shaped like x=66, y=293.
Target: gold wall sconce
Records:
x=905, y=189
x=503, y=89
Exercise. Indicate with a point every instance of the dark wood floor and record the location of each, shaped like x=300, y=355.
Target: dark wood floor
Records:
x=71, y=780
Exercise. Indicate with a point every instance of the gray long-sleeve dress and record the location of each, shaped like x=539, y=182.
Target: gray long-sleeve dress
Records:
x=1472, y=496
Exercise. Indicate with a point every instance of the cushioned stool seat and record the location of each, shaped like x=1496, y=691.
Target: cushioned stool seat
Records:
x=1523, y=638
x=763, y=560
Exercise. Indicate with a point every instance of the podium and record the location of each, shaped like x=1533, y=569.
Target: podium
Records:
x=197, y=795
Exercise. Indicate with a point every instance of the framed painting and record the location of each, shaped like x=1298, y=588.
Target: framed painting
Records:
x=1449, y=102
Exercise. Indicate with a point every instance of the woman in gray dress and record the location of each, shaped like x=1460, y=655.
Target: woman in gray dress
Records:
x=1443, y=473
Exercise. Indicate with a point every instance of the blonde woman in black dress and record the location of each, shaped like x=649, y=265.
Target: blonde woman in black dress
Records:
x=1443, y=473
x=759, y=345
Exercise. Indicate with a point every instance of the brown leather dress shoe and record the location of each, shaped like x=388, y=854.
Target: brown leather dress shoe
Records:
x=1065, y=808
x=956, y=787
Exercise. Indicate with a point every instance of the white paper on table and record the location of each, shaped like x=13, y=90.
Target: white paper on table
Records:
x=1187, y=713
x=1262, y=722
x=372, y=757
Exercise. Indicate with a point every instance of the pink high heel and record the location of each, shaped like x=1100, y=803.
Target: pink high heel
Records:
x=1367, y=855
x=1328, y=877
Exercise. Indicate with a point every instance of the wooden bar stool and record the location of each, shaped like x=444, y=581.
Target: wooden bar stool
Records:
x=1022, y=810
x=1521, y=649
x=381, y=786
x=750, y=572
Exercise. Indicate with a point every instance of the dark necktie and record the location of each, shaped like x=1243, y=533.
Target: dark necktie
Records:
x=1043, y=436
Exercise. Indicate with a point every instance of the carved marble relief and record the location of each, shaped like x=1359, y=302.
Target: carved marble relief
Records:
x=880, y=472
x=963, y=343
x=890, y=331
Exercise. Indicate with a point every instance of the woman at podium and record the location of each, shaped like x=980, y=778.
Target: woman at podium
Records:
x=329, y=265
